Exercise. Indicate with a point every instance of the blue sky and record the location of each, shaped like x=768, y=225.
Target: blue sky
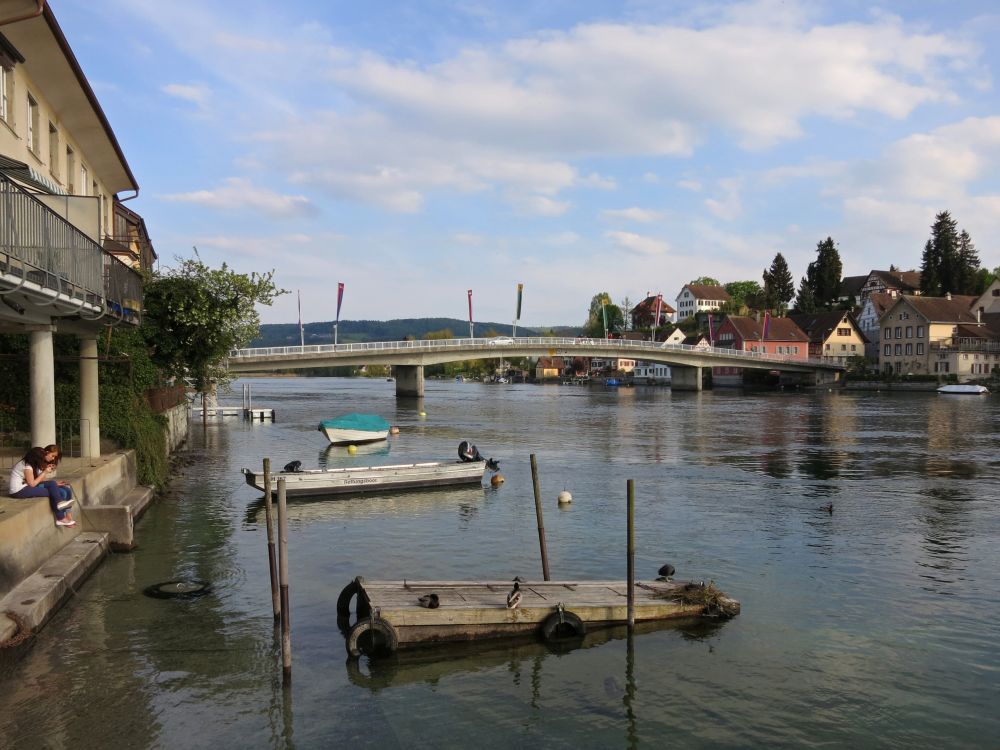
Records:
x=414, y=150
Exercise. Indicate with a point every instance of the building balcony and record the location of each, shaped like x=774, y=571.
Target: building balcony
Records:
x=49, y=268
x=962, y=345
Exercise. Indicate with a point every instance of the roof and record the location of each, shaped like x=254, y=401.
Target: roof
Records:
x=906, y=281
x=992, y=322
x=850, y=286
x=780, y=329
x=882, y=301
x=551, y=363
x=695, y=339
x=707, y=291
x=818, y=326
x=941, y=309
x=650, y=304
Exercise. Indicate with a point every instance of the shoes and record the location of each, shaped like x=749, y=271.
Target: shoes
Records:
x=64, y=504
x=61, y=522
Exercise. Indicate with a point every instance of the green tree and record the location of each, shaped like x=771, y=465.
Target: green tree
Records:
x=968, y=265
x=805, y=301
x=941, y=265
x=194, y=315
x=444, y=333
x=779, y=286
x=601, y=309
x=744, y=294
x=706, y=280
x=823, y=274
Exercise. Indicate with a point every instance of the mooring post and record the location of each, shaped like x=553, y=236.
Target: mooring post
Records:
x=630, y=484
x=272, y=559
x=286, y=635
x=538, y=515
x=249, y=411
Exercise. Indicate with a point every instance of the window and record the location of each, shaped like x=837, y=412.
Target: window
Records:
x=84, y=179
x=920, y=332
x=829, y=346
x=32, y=124
x=70, y=169
x=899, y=332
x=843, y=347
x=843, y=331
x=54, y=150
x=909, y=350
x=796, y=350
x=899, y=350
x=7, y=95
x=888, y=350
x=854, y=347
x=888, y=333
x=909, y=332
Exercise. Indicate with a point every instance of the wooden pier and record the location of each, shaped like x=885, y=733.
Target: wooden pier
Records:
x=393, y=615
x=252, y=415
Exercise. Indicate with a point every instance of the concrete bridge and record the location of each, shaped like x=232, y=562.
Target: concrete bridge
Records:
x=408, y=358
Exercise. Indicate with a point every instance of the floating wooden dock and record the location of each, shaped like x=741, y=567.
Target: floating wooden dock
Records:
x=390, y=616
x=253, y=415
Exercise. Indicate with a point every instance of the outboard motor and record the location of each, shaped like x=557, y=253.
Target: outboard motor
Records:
x=469, y=453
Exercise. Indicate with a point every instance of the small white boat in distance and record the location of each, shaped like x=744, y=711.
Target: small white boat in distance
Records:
x=354, y=429
x=966, y=390
x=371, y=478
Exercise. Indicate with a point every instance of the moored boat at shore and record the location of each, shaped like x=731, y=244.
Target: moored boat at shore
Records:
x=354, y=428
x=964, y=390
x=371, y=478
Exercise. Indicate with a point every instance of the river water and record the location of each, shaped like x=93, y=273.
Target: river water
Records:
x=875, y=626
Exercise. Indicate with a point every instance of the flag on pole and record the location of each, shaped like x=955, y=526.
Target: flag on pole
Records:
x=711, y=333
x=340, y=297
x=520, y=288
x=659, y=309
x=767, y=325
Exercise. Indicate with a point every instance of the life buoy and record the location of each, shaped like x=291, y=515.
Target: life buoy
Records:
x=344, y=600
x=562, y=626
x=183, y=589
x=381, y=637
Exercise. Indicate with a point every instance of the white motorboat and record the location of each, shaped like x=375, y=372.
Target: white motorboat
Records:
x=964, y=390
x=372, y=478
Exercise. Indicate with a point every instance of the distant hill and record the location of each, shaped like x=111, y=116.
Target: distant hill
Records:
x=354, y=331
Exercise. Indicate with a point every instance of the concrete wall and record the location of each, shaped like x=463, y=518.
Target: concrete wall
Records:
x=177, y=427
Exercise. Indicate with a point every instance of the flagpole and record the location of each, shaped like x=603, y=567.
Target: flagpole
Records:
x=302, y=335
x=517, y=312
x=471, y=336
x=340, y=299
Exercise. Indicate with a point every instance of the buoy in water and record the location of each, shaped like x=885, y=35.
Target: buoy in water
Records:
x=352, y=449
x=423, y=414
x=565, y=498
x=496, y=480
x=394, y=430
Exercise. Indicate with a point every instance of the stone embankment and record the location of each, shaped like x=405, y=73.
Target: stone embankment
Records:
x=42, y=564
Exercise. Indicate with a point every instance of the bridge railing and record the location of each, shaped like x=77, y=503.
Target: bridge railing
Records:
x=504, y=343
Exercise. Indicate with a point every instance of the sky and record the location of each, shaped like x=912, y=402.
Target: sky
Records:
x=416, y=150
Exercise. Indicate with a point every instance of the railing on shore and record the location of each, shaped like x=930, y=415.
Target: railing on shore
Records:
x=491, y=345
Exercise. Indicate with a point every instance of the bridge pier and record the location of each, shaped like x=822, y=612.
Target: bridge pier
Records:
x=409, y=380
x=684, y=378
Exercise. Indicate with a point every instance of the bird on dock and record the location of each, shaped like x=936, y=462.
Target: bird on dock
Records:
x=828, y=508
x=514, y=597
x=293, y=466
x=430, y=601
x=666, y=572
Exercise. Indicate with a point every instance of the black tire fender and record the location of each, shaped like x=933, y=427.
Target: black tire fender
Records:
x=383, y=637
x=344, y=600
x=561, y=626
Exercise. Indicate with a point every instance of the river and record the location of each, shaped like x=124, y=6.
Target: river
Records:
x=876, y=625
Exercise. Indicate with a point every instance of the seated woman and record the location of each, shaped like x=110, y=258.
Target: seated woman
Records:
x=53, y=455
x=27, y=479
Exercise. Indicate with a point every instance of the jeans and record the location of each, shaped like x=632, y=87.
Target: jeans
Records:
x=50, y=489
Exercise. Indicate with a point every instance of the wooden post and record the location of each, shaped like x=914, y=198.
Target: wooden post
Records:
x=286, y=635
x=538, y=515
x=630, y=485
x=272, y=560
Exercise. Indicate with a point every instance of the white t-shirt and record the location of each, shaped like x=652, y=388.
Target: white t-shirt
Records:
x=17, y=482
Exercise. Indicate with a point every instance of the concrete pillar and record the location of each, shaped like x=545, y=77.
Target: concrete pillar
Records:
x=683, y=378
x=90, y=403
x=42, y=380
x=409, y=380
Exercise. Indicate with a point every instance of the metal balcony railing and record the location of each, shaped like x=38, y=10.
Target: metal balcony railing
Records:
x=965, y=344
x=40, y=247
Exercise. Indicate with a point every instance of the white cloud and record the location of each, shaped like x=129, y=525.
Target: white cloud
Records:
x=692, y=185
x=641, y=215
x=729, y=205
x=540, y=205
x=638, y=243
x=237, y=194
x=195, y=93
